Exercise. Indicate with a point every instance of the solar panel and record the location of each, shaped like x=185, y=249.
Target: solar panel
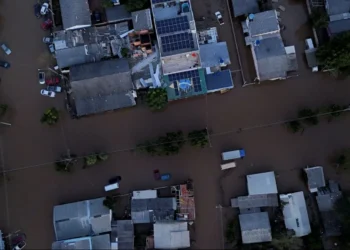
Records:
x=177, y=42
x=172, y=25
x=193, y=75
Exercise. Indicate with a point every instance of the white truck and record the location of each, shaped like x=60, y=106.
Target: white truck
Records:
x=219, y=18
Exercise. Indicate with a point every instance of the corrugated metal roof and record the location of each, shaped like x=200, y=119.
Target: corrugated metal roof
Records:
x=117, y=13
x=142, y=20
x=171, y=235
x=219, y=81
x=245, y=7
x=264, y=22
x=123, y=234
x=263, y=183
x=315, y=177
x=212, y=53
x=340, y=26
x=255, y=227
x=295, y=213
x=251, y=201
x=335, y=7
x=75, y=13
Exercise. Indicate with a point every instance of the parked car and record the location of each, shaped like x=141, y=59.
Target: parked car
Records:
x=47, y=24
x=4, y=64
x=219, y=18
x=44, y=9
x=156, y=174
x=113, y=183
x=47, y=93
x=6, y=49
x=47, y=39
x=53, y=80
x=310, y=48
x=41, y=77
x=52, y=48
x=55, y=88
x=165, y=177
x=37, y=8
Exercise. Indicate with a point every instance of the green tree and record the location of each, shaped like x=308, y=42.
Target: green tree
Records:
x=306, y=112
x=171, y=143
x=90, y=160
x=107, y=3
x=342, y=208
x=148, y=147
x=124, y=52
x=134, y=5
x=335, y=111
x=65, y=163
x=157, y=99
x=3, y=109
x=232, y=232
x=335, y=55
x=313, y=241
x=294, y=126
x=319, y=18
x=341, y=159
x=50, y=117
x=287, y=241
x=198, y=138
x=109, y=202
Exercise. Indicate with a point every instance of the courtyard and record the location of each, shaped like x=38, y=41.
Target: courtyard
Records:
x=31, y=186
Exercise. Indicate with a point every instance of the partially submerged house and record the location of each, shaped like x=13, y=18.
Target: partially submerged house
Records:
x=171, y=235
x=255, y=227
x=272, y=59
x=99, y=242
x=148, y=208
x=101, y=86
x=262, y=183
x=339, y=16
x=122, y=235
x=315, y=178
x=245, y=7
x=255, y=201
x=75, y=14
x=80, y=219
x=295, y=213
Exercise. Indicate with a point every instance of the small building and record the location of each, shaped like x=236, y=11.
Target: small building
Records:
x=117, y=13
x=80, y=219
x=144, y=194
x=272, y=59
x=186, y=207
x=339, y=16
x=219, y=81
x=171, y=235
x=263, y=183
x=295, y=213
x=326, y=199
x=315, y=178
x=99, y=242
x=255, y=201
x=142, y=20
x=102, y=86
x=255, y=227
x=245, y=7
x=152, y=210
x=75, y=14
x=122, y=235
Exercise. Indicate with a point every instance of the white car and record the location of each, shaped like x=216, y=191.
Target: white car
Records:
x=6, y=49
x=219, y=17
x=47, y=93
x=44, y=9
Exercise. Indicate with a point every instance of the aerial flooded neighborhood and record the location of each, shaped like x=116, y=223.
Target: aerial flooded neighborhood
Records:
x=175, y=124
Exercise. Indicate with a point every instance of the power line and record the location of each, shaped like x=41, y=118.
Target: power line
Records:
x=183, y=140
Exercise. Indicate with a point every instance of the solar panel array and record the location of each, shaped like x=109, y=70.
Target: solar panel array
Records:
x=172, y=25
x=193, y=75
x=159, y=1
x=177, y=42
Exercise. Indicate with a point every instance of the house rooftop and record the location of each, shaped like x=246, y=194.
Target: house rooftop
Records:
x=263, y=183
x=75, y=14
x=339, y=26
x=214, y=54
x=185, y=84
x=142, y=20
x=335, y=7
x=255, y=227
x=122, y=234
x=253, y=201
x=295, y=213
x=171, y=235
x=150, y=210
x=245, y=7
x=264, y=23
x=99, y=242
x=220, y=80
x=180, y=62
x=102, y=86
x=315, y=177
x=271, y=57
x=79, y=219
x=117, y=13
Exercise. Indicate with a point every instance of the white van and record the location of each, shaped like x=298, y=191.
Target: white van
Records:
x=111, y=187
x=232, y=155
x=228, y=165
